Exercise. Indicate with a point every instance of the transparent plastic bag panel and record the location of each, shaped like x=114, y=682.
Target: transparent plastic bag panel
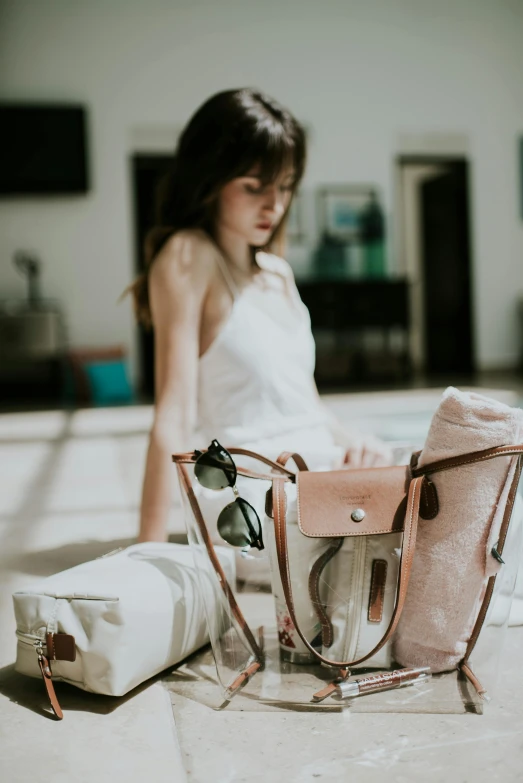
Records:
x=260, y=662
x=235, y=646
x=487, y=655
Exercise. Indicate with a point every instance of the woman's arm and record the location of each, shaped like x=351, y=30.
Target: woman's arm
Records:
x=363, y=451
x=177, y=287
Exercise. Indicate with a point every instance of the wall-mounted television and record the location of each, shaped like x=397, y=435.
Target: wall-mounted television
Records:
x=43, y=149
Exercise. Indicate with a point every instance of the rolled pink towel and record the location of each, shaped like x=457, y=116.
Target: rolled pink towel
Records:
x=453, y=551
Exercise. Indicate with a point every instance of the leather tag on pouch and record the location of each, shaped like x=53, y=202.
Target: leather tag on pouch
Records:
x=61, y=647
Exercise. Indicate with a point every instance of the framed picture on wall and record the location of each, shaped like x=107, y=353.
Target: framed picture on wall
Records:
x=295, y=229
x=339, y=208
x=520, y=150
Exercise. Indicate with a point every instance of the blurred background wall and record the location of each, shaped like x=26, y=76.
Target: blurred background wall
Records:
x=371, y=80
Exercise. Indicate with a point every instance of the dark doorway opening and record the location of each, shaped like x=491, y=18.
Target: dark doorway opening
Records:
x=443, y=263
x=147, y=171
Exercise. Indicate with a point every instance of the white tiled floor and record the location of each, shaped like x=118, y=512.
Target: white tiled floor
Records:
x=69, y=491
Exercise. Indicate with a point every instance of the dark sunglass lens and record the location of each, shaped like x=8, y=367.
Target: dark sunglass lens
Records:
x=215, y=469
x=239, y=525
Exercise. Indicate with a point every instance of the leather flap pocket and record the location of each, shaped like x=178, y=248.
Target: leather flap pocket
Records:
x=352, y=502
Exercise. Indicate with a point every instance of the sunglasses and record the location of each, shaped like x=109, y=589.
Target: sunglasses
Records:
x=238, y=522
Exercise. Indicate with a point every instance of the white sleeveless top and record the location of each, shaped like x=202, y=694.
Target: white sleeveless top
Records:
x=255, y=384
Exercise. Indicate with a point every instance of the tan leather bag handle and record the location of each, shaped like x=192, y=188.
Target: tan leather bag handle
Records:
x=471, y=458
x=190, y=457
x=224, y=584
x=482, y=614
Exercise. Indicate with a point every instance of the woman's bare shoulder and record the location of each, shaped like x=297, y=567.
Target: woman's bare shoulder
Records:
x=186, y=254
x=270, y=262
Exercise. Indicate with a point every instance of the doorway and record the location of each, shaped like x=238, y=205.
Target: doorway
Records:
x=435, y=225
x=147, y=171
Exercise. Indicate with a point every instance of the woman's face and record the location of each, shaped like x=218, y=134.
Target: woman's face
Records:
x=251, y=210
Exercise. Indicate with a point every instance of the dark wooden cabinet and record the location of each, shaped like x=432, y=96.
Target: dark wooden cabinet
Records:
x=32, y=354
x=361, y=329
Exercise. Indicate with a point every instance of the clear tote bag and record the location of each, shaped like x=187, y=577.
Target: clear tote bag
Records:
x=259, y=661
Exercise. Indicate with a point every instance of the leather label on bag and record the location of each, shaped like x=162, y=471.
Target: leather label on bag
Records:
x=61, y=647
x=352, y=502
x=377, y=591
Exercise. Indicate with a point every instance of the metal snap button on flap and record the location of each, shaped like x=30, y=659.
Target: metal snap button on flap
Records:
x=358, y=515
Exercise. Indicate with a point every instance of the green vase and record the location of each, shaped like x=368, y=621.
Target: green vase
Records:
x=372, y=234
x=374, y=254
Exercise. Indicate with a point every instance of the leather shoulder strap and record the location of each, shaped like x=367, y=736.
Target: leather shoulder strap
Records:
x=190, y=457
x=224, y=584
x=407, y=555
x=466, y=459
x=285, y=456
x=47, y=677
x=492, y=580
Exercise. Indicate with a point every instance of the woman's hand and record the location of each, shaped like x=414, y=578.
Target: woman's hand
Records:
x=367, y=451
x=361, y=451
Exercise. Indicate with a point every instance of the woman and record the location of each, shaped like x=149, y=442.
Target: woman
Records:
x=234, y=353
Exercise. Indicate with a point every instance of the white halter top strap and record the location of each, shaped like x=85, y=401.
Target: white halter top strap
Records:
x=255, y=380
x=233, y=288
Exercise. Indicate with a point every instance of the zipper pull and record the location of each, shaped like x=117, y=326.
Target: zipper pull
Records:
x=47, y=676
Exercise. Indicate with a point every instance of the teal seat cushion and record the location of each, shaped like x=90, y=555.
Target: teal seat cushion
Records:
x=109, y=382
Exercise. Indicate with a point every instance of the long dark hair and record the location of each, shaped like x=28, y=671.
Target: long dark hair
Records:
x=229, y=134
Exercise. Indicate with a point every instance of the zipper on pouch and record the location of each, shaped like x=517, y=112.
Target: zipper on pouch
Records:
x=58, y=646
x=47, y=676
x=356, y=599
x=29, y=638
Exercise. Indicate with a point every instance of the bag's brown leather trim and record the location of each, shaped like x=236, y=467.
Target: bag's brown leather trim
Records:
x=469, y=674
x=467, y=459
x=61, y=647
x=328, y=501
x=189, y=458
x=327, y=634
x=377, y=591
x=243, y=677
x=414, y=457
x=331, y=687
x=472, y=458
x=478, y=625
x=429, y=506
x=407, y=555
x=50, y=646
x=268, y=503
x=327, y=691
x=47, y=675
x=285, y=456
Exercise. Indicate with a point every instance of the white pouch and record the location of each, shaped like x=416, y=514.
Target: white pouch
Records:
x=303, y=553
x=350, y=592
x=131, y=614
x=345, y=590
